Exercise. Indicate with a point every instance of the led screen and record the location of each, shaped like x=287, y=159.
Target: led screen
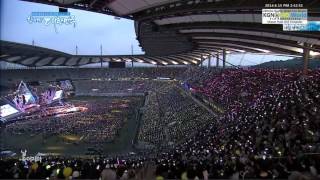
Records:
x=7, y=110
x=57, y=95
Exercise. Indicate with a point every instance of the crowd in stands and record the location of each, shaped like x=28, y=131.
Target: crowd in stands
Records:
x=269, y=129
x=270, y=133
x=76, y=168
x=241, y=86
x=98, y=123
x=13, y=77
x=170, y=116
x=137, y=168
x=88, y=87
x=195, y=75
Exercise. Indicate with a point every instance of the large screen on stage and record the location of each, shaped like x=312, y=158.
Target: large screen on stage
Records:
x=6, y=110
x=58, y=95
x=23, y=99
x=29, y=98
x=23, y=96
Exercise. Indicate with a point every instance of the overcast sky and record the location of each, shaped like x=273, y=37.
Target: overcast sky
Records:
x=91, y=31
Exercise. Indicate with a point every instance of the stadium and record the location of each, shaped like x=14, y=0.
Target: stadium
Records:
x=180, y=109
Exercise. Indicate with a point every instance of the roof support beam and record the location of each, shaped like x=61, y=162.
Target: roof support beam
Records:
x=217, y=60
x=189, y=59
x=241, y=26
x=252, y=45
x=224, y=56
x=255, y=38
x=178, y=60
x=231, y=48
x=306, y=54
x=249, y=34
x=275, y=45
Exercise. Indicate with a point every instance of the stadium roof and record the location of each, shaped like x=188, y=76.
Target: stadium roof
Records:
x=169, y=29
x=35, y=56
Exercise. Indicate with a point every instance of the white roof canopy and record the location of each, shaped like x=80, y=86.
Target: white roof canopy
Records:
x=125, y=7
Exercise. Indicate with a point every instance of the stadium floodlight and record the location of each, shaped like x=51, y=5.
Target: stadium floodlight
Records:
x=185, y=62
x=15, y=58
x=153, y=62
x=127, y=59
x=263, y=50
x=193, y=61
x=313, y=53
x=239, y=50
x=3, y=55
x=300, y=50
x=163, y=62
x=174, y=62
x=140, y=61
